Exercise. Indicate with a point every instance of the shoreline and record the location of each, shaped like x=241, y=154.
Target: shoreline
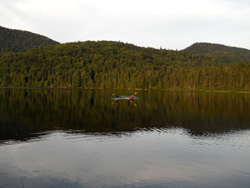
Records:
x=131, y=89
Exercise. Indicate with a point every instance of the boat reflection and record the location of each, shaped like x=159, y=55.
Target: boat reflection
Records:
x=24, y=114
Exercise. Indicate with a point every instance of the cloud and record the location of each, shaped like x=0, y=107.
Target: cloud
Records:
x=170, y=24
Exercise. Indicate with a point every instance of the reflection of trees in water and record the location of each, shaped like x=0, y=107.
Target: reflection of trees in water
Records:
x=25, y=112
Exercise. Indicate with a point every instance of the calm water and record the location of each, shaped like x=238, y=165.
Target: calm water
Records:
x=78, y=138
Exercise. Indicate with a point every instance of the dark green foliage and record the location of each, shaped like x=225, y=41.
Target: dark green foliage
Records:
x=20, y=41
x=106, y=64
x=221, y=53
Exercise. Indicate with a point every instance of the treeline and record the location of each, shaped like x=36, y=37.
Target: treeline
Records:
x=220, y=53
x=19, y=41
x=106, y=64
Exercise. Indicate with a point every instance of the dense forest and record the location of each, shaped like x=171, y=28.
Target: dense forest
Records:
x=106, y=64
x=19, y=41
x=221, y=53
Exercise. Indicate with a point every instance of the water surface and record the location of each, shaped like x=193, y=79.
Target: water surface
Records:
x=79, y=138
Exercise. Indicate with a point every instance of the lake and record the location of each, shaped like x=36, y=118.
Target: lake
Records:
x=85, y=138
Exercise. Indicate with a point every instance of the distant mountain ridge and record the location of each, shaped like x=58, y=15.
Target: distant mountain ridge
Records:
x=117, y=65
x=222, y=53
x=12, y=40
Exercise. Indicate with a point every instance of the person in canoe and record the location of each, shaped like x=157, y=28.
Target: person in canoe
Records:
x=115, y=95
x=132, y=97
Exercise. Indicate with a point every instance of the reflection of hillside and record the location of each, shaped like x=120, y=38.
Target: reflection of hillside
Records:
x=24, y=113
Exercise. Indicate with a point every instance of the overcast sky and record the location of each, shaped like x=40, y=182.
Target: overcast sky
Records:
x=170, y=24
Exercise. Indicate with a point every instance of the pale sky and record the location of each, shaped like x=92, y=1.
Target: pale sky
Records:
x=170, y=24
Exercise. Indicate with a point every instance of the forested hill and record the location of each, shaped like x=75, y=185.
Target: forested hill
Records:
x=222, y=53
x=19, y=41
x=107, y=64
